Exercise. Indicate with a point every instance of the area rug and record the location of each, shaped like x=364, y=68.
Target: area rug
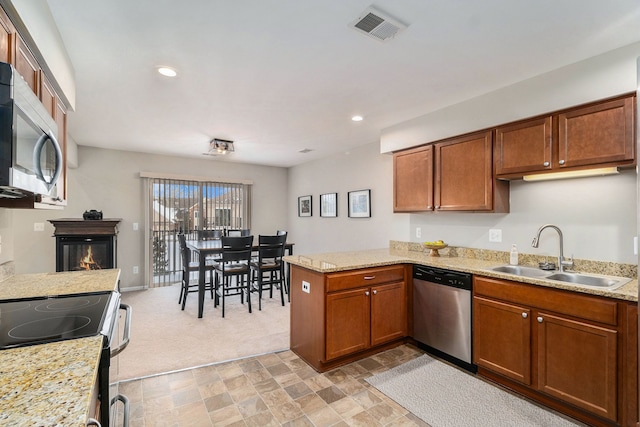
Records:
x=443, y=396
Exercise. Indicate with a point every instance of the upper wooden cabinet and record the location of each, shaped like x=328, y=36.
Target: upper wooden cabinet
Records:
x=594, y=135
x=27, y=65
x=464, y=175
x=451, y=175
x=7, y=35
x=597, y=134
x=413, y=180
x=523, y=147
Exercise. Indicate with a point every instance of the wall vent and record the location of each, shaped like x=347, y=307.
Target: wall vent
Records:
x=377, y=25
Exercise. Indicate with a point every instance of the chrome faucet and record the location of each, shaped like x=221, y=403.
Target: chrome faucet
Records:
x=562, y=263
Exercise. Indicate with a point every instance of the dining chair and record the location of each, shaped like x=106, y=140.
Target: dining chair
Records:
x=238, y=232
x=210, y=234
x=286, y=282
x=268, y=270
x=234, y=266
x=189, y=266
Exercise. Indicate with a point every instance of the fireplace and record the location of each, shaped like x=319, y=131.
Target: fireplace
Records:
x=85, y=244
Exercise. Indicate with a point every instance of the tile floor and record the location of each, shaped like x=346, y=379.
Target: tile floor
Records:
x=270, y=390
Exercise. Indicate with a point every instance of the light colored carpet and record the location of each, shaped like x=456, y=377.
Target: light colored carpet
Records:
x=443, y=396
x=164, y=338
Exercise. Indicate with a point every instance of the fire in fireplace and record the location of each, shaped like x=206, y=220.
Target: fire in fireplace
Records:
x=85, y=244
x=85, y=253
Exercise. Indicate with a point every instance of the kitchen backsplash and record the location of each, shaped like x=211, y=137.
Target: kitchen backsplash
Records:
x=502, y=257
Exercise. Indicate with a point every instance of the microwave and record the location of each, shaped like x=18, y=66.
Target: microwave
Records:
x=31, y=159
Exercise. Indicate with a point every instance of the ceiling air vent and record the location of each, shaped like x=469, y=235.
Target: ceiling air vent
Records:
x=377, y=25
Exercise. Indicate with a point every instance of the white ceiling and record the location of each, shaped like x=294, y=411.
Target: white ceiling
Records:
x=280, y=76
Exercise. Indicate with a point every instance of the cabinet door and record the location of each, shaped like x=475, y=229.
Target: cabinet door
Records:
x=464, y=173
x=7, y=35
x=48, y=97
x=502, y=338
x=347, y=319
x=413, y=180
x=577, y=363
x=27, y=66
x=597, y=134
x=523, y=147
x=388, y=312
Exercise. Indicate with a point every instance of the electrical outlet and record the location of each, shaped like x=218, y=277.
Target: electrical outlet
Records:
x=135, y=269
x=418, y=232
x=135, y=226
x=635, y=245
x=38, y=226
x=495, y=235
x=306, y=287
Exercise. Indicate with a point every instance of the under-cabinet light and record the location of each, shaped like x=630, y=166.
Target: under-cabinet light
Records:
x=571, y=174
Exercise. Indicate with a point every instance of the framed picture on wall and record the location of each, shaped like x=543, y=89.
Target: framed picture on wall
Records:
x=359, y=204
x=304, y=206
x=329, y=205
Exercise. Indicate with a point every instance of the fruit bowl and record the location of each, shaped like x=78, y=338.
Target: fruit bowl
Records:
x=434, y=246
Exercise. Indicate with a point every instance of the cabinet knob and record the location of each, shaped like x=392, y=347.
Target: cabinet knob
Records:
x=539, y=319
x=545, y=164
x=525, y=315
x=374, y=292
x=561, y=162
x=366, y=293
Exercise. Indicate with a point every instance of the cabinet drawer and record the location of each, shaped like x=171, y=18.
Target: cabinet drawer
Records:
x=364, y=277
x=560, y=301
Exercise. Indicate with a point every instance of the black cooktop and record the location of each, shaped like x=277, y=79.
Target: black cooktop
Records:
x=42, y=320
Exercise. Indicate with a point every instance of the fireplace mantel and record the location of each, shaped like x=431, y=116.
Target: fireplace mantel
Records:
x=85, y=227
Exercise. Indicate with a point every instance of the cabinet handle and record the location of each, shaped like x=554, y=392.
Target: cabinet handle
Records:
x=369, y=277
x=539, y=319
x=525, y=315
x=545, y=164
x=375, y=292
x=561, y=162
x=366, y=293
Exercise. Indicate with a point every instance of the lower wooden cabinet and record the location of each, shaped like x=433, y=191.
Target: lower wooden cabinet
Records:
x=347, y=315
x=565, y=348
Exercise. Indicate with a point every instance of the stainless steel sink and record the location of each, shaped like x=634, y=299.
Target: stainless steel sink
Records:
x=605, y=282
x=519, y=270
x=580, y=279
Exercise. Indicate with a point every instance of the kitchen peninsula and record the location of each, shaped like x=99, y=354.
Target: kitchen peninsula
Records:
x=346, y=306
x=54, y=383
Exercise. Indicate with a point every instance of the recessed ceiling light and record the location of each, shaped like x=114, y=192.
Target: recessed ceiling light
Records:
x=357, y=118
x=166, y=71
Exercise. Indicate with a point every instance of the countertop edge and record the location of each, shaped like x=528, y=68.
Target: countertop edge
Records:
x=354, y=260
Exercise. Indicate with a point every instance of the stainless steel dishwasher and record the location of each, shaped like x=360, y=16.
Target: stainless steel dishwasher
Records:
x=442, y=313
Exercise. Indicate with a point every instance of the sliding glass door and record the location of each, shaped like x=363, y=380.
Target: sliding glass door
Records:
x=189, y=207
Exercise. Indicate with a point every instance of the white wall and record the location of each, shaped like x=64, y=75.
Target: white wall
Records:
x=108, y=180
x=603, y=76
x=363, y=168
x=596, y=216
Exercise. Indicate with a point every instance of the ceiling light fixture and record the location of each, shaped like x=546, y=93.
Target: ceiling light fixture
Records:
x=357, y=118
x=167, y=71
x=571, y=174
x=220, y=146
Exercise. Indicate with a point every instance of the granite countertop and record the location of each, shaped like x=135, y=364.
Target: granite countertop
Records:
x=51, y=384
x=341, y=261
x=63, y=283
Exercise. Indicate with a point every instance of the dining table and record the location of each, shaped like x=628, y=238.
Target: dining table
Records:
x=205, y=248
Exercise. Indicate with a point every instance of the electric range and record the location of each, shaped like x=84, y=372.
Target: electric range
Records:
x=41, y=320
